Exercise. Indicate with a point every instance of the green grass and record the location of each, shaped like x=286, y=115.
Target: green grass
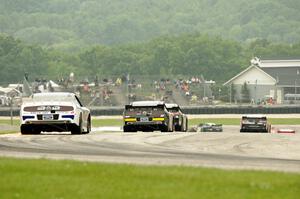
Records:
x=5, y=122
x=8, y=131
x=107, y=122
x=67, y=179
x=8, y=121
x=224, y=121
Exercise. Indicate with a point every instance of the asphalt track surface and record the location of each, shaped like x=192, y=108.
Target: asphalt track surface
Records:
x=229, y=149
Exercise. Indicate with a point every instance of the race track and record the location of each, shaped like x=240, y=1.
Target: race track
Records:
x=229, y=149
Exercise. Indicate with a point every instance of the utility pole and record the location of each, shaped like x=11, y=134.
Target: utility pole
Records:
x=11, y=111
x=255, y=90
x=295, y=90
x=296, y=85
x=275, y=94
x=230, y=93
x=204, y=91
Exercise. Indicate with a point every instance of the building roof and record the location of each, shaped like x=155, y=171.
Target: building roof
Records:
x=8, y=90
x=284, y=72
x=284, y=75
x=246, y=70
x=279, y=63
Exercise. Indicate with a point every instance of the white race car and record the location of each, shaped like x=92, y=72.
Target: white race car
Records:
x=55, y=111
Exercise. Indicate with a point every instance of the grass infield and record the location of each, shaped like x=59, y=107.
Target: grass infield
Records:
x=8, y=121
x=28, y=179
x=224, y=121
x=8, y=132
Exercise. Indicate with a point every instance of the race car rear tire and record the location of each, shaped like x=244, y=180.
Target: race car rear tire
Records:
x=88, y=126
x=269, y=129
x=29, y=130
x=128, y=129
x=164, y=128
x=178, y=128
x=184, y=127
x=24, y=130
x=77, y=129
x=172, y=127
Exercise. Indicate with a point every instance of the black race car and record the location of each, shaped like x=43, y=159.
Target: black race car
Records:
x=147, y=116
x=255, y=123
x=211, y=127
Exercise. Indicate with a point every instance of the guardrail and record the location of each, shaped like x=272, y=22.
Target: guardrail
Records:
x=194, y=110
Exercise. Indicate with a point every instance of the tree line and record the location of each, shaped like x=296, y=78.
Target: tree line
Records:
x=170, y=56
x=71, y=24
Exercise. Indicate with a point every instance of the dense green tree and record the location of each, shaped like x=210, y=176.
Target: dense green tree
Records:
x=61, y=24
x=168, y=56
x=245, y=93
x=16, y=59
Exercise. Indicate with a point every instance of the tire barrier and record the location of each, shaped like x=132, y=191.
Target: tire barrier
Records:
x=286, y=131
x=193, y=110
x=7, y=111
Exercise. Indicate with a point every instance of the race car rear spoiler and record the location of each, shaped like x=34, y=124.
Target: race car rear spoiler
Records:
x=130, y=106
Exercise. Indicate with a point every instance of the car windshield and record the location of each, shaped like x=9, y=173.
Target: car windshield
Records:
x=253, y=120
x=173, y=110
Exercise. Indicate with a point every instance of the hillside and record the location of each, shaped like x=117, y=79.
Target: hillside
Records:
x=72, y=24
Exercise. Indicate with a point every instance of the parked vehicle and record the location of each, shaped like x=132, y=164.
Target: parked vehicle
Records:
x=147, y=116
x=55, y=111
x=255, y=123
x=180, y=120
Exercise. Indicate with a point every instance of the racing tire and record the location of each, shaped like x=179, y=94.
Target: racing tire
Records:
x=128, y=129
x=269, y=129
x=88, y=126
x=185, y=129
x=36, y=132
x=78, y=129
x=164, y=128
x=178, y=128
x=26, y=130
x=172, y=128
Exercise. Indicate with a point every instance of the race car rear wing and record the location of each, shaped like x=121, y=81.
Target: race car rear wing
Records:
x=129, y=106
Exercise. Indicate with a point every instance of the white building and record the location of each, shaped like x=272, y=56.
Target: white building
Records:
x=279, y=79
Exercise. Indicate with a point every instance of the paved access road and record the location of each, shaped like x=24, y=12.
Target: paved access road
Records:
x=229, y=149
